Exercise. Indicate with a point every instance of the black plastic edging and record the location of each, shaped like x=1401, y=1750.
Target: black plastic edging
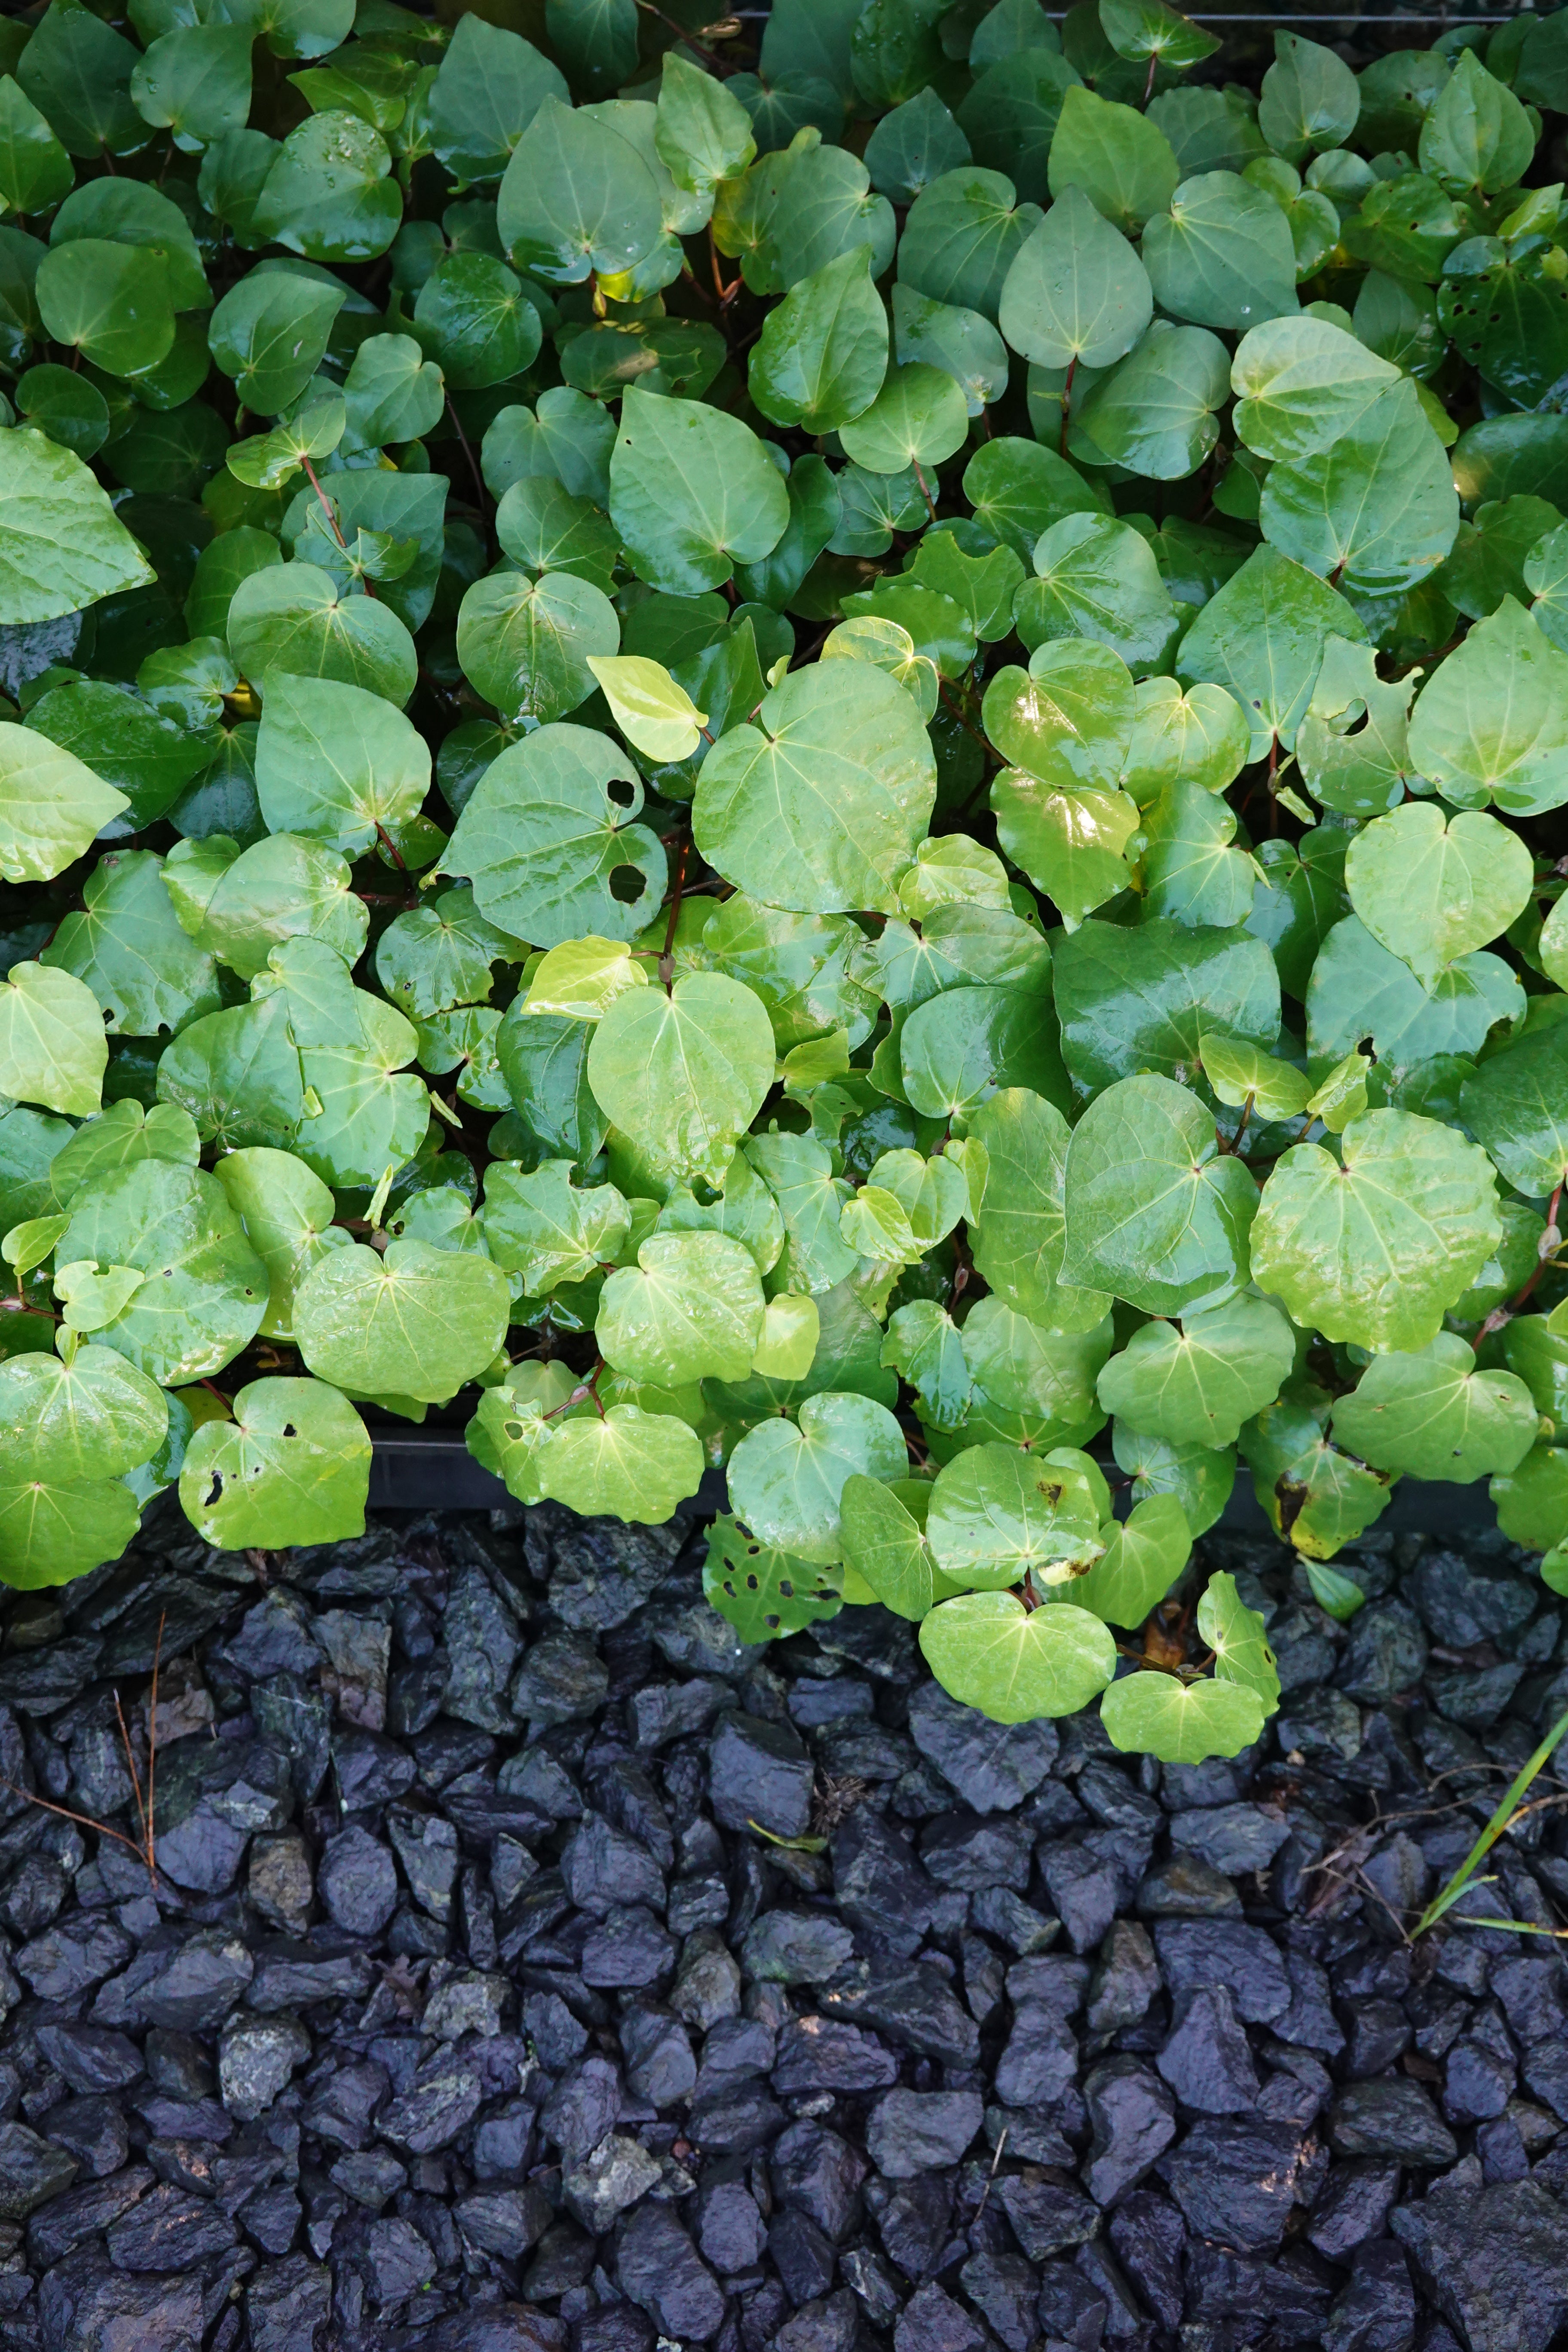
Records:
x=415, y=1471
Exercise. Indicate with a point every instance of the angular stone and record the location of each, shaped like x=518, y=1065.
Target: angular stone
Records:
x=661, y=2270
x=910, y=2132
x=257, y=2059
x=759, y=1771
x=1494, y=2259
x=993, y=1766
x=32, y=2170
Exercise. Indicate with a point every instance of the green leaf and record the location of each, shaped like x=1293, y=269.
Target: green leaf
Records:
x=998, y=1513
x=683, y=1075
x=959, y=1046
x=1235, y=1635
x=1492, y=721
x=1019, y=1236
x=1222, y=255
x=1353, y=744
x=541, y=1225
x=823, y=351
x=327, y=193
x=50, y=1533
x=1431, y=1414
x=962, y=236
x=1517, y=1107
x=1098, y=580
x=1310, y=99
x=96, y=1417
x=1262, y=638
x=655, y=714
x=1156, y=1213
x=475, y=319
x=35, y=170
x=1156, y=413
x=204, y=1290
x=143, y=972
x=923, y=1346
x=1376, y=509
x=391, y=392
x=1075, y=292
x=576, y=198
x=487, y=91
x=1147, y=28
x=785, y=1480
x=690, y=1309
x=1196, y=1387
x=763, y=1591
x=882, y=1530
x=1015, y=1664
x=1432, y=891
x=631, y=1465
x=1197, y=738
x=51, y=806
x=543, y=838
x=692, y=493
x=820, y=806
x=240, y=909
x=1476, y=138
x=1068, y=718
x=1142, y=1000
x=1374, y=1249
x=1010, y=116
x=1123, y=164
x=52, y=1045
x=269, y=333
x=525, y=645
x=287, y=1216
x=416, y=1322
x=194, y=81
x=1180, y=1723
x=1532, y=1502
x=292, y=1466
x=337, y=764
x=913, y=146
x=1144, y=1555
x=78, y=72
x=1300, y=385
x=703, y=134
x=293, y=617
x=919, y=418
x=62, y=546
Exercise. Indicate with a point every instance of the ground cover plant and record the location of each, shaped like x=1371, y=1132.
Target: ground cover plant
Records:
x=848, y=770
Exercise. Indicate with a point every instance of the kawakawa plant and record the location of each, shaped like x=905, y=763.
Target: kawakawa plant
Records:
x=835, y=772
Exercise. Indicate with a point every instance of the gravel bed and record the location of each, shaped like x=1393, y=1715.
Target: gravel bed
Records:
x=533, y=1969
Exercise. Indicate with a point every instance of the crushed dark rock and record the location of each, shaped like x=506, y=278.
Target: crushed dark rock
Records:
x=531, y=1968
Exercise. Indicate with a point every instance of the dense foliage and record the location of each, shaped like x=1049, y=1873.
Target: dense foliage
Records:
x=835, y=771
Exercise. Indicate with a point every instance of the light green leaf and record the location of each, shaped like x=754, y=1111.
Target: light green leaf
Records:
x=205, y=1288
x=96, y=1417
x=52, y=1046
x=543, y=837
x=919, y=418
x=1200, y=737
x=1144, y=1555
x=683, y=1075
x=416, y=1322
x=1180, y=1723
x=1432, y=891
x=690, y=1309
x=51, y=804
x=1235, y=1635
x=292, y=1466
x=539, y=1225
x=1432, y=1415
x=1156, y=1213
x=62, y=546
x=1198, y=1386
x=1075, y=292
x=527, y=646
x=1156, y=413
x=882, y=1529
x=287, y=1216
x=1019, y=1236
x=576, y=198
x=998, y=1513
x=785, y=1481
x=1477, y=139
x=631, y=1465
x=1013, y=1664
x=1492, y=721
x=1067, y=719
x=336, y=763
x=50, y=1533
x=1375, y=1249
x=820, y=806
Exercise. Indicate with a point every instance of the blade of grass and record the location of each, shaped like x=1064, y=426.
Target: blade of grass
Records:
x=1445, y=1900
